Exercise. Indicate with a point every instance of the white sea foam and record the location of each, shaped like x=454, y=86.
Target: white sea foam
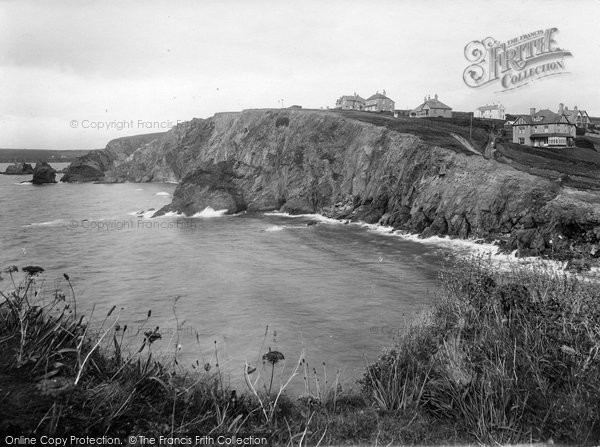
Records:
x=49, y=223
x=142, y=214
x=317, y=217
x=460, y=247
x=162, y=193
x=210, y=212
x=139, y=189
x=23, y=183
x=504, y=262
x=274, y=228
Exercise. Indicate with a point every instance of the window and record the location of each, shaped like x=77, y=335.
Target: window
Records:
x=521, y=140
x=521, y=130
x=546, y=128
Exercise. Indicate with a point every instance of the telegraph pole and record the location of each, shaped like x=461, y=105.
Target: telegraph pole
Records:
x=471, y=127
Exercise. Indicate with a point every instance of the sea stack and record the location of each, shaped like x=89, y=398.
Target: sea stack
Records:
x=43, y=173
x=19, y=169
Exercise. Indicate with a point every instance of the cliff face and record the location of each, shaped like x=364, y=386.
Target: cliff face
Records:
x=308, y=161
x=93, y=166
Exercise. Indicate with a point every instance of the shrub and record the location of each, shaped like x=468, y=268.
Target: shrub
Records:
x=508, y=358
x=585, y=143
x=282, y=121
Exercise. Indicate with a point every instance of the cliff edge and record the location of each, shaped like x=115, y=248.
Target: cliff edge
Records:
x=302, y=161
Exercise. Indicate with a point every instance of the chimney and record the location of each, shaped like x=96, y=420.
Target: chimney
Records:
x=575, y=108
x=435, y=96
x=383, y=92
x=561, y=108
x=532, y=111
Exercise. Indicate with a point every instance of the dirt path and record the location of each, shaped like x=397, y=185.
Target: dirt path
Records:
x=465, y=143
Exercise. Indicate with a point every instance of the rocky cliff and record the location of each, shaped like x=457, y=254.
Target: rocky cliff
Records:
x=93, y=166
x=315, y=161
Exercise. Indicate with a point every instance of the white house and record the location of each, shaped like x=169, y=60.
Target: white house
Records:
x=493, y=111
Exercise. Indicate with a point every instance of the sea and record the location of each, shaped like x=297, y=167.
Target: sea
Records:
x=222, y=289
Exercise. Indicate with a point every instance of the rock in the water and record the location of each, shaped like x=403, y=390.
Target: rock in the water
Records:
x=212, y=186
x=19, y=169
x=43, y=173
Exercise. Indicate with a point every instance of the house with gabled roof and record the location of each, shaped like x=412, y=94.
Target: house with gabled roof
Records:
x=544, y=129
x=578, y=117
x=490, y=111
x=431, y=108
x=350, y=102
x=379, y=103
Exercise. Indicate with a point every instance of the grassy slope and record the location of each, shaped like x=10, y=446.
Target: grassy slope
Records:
x=436, y=131
x=582, y=166
x=498, y=358
x=577, y=167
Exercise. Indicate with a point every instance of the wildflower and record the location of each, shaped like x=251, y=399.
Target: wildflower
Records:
x=152, y=336
x=11, y=269
x=207, y=367
x=66, y=276
x=273, y=357
x=32, y=270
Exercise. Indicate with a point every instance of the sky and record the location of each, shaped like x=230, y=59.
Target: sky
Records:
x=70, y=68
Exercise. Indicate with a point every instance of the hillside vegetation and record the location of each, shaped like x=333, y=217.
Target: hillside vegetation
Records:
x=499, y=358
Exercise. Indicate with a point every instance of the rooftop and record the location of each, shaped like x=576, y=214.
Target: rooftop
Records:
x=432, y=104
x=377, y=96
x=544, y=116
x=352, y=98
x=492, y=107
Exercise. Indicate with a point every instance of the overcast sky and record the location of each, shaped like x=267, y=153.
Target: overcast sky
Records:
x=115, y=61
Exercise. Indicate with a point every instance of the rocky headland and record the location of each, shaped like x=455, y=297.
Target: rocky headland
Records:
x=302, y=161
x=93, y=166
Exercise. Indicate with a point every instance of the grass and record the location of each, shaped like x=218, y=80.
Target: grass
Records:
x=577, y=167
x=498, y=358
x=506, y=357
x=435, y=131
